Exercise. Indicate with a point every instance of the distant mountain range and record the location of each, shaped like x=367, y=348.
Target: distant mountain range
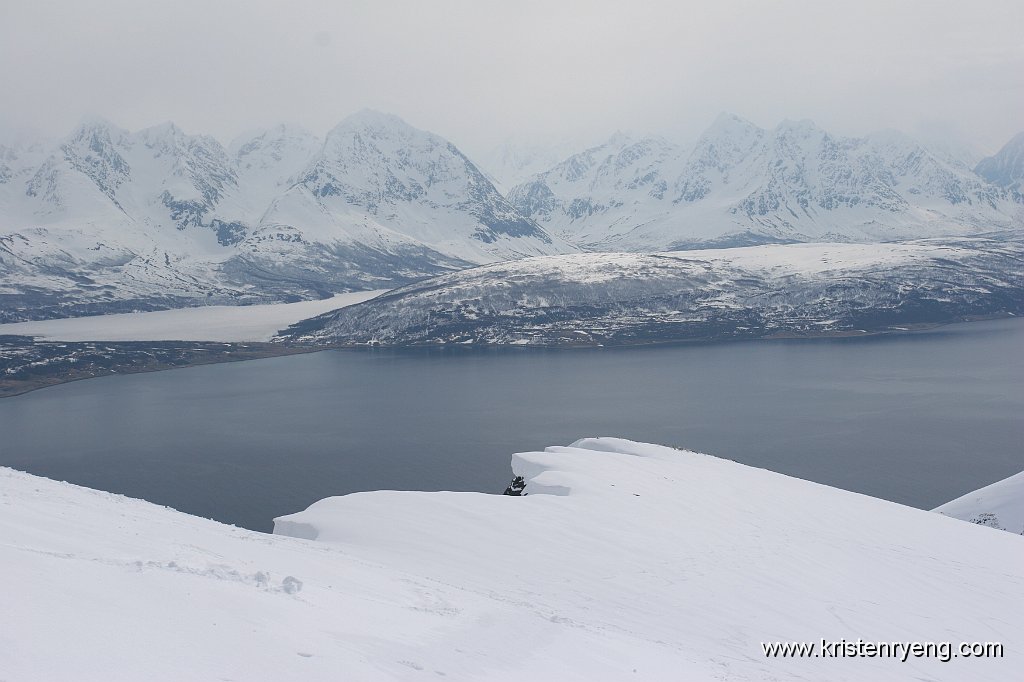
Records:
x=109, y=220
x=741, y=184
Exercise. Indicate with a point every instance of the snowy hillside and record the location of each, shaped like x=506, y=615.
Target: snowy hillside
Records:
x=1006, y=167
x=109, y=220
x=269, y=161
x=380, y=182
x=1000, y=505
x=741, y=184
x=623, y=561
x=750, y=292
x=595, y=197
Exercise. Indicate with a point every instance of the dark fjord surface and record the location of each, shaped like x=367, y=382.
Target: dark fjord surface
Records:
x=917, y=419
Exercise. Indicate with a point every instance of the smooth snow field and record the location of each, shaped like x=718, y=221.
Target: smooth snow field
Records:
x=918, y=419
x=999, y=505
x=224, y=323
x=624, y=561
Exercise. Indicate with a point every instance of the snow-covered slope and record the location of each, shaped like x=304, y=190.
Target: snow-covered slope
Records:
x=380, y=182
x=603, y=197
x=623, y=561
x=750, y=292
x=1006, y=167
x=1000, y=505
x=110, y=220
x=743, y=184
x=269, y=161
x=517, y=158
x=19, y=157
x=114, y=220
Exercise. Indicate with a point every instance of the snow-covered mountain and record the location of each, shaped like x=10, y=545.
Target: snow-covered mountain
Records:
x=1006, y=167
x=110, y=216
x=518, y=158
x=999, y=505
x=19, y=157
x=379, y=182
x=743, y=184
x=108, y=220
x=623, y=561
x=738, y=293
x=111, y=220
x=601, y=197
x=269, y=161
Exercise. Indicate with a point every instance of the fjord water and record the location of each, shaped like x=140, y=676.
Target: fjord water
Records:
x=918, y=419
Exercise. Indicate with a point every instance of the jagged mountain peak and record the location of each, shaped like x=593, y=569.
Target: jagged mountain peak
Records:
x=281, y=150
x=93, y=122
x=592, y=192
x=740, y=183
x=160, y=214
x=378, y=121
x=21, y=152
x=96, y=133
x=619, y=139
x=730, y=131
x=723, y=144
x=369, y=148
x=96, y=148
x=899, y=143
x=379, y=200
x=728, y=124
x=271, y=137
x=169, y=138
x=165, y=129
x=795, y=138
x=618, y=152
x=376, y=140
x=379, y=180
x=160, y=176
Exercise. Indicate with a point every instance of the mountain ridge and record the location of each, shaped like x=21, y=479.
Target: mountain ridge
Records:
x=795, y=182
x=604, y=299
x=108, y=220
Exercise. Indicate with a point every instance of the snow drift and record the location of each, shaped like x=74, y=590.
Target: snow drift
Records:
x=623, y=561
x=1000, y=505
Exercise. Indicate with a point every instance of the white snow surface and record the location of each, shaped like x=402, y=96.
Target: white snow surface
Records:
x=207, y=323
x=624, y=561
x=1000, y=505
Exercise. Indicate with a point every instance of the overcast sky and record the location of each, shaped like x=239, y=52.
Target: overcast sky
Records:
x=478, y=71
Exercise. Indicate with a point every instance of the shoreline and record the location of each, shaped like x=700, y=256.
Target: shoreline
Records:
x=237, y=352
x=206, y=353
